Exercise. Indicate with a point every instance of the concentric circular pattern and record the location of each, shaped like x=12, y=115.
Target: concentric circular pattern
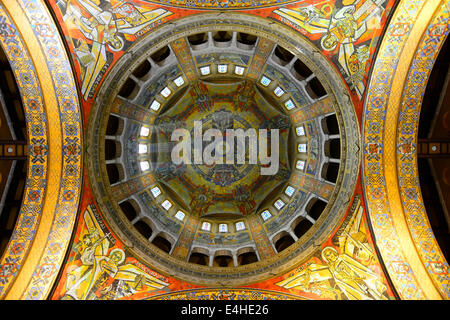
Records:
x=227, y=104
x=223, y=223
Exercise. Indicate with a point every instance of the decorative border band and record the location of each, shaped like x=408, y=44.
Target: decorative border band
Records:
x=380, y=167
x=406, y=147
x=58, y=161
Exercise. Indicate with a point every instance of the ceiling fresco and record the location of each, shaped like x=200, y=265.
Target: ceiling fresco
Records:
x=403, y=148
x=90, y=273
x=106, y=213
x=213, y=199
x=236, y=189
x=345, y=31
x=352, y=38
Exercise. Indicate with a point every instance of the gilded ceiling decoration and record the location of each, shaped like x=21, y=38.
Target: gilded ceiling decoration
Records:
x=213, y=198
x=394, y=197
x=233, y=149
x=54, y=129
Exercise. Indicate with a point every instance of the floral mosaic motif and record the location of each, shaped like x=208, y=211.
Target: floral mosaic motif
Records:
x=72, y=149
x=38, y=149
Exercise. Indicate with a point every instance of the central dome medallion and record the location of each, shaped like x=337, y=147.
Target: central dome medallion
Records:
x=218, y=147
x=244, y=125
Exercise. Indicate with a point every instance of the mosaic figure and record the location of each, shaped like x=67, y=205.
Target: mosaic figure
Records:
x=103, y=273
x=348, y=272
x=201, y=200
x=341, y=31
x=104, y=24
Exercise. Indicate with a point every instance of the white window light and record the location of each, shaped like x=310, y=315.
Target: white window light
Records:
x=144, y=165
x=180, y=215
x=265, y=215
x=205, y=70
x=179, y=81
x=145, y=131
x=302, y=147
x=222, y=68
x=223, y=227
x=278, y=91
x=289, y=191
x=300, y=165
x=206, y=226
x=155, y=191
x=300, y=131
x=265, y=81
x=166, y=92
x=279, y=204
x=240, y=226
x=142, y=148
x=239, y=70
x=166, y=204
x=155, y=105
x=289, y=104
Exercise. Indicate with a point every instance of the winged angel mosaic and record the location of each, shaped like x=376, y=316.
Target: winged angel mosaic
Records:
x=343, y=29
x=100, y=272
x=102, y=26
x=344, y=272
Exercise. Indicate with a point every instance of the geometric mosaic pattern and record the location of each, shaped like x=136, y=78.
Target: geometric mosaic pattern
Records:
x=223, y=4
x=69, y=114
x=379, y=170
x=32, y=100
x=227, y=294
x=407, y=129
x=62, y=121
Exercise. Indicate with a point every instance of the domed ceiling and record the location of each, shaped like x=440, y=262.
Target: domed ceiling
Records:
x=239, y=208
x=222, y=150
